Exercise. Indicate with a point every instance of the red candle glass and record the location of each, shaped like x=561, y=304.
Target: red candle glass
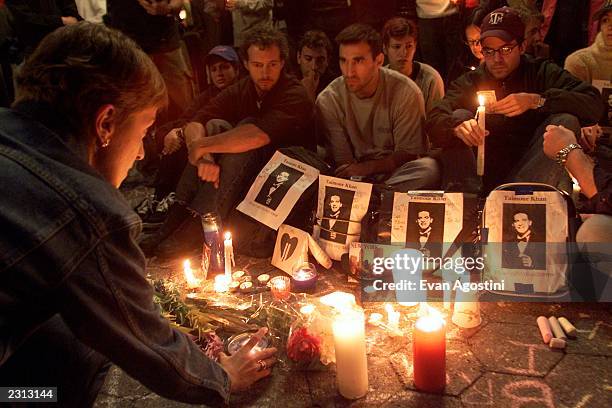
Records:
x=429, y=354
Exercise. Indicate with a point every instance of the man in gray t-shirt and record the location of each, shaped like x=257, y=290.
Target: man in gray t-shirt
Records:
x=372, y=117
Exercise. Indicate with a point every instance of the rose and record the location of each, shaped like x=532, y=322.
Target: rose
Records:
x=303, y=346
x=211, y=345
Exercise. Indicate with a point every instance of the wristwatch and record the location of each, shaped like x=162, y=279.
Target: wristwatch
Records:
x=541, y=101
x=562, y=154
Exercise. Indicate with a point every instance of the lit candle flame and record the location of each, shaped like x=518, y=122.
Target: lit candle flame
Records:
x=192, y=281
x=221, y=283
x=339, y=300
x=307, y=309
x=228, y=235
x=182, y=14
x=481, y=100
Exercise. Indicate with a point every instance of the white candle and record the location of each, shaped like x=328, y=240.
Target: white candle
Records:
x=393, y=317
x=351, y=360
x=228, y=252
x=222, y=283
x=481, y=147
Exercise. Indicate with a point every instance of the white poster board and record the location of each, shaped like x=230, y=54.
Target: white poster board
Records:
x=277, y=188
x=341, y=206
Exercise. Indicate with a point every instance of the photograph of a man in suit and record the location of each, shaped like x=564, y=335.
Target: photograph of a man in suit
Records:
x=334, y=225
x=425, y=238
x=277, y=185
x=524, y=250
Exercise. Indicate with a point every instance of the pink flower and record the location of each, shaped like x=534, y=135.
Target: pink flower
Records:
x=303, y=346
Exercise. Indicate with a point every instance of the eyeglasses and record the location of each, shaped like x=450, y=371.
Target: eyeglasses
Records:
x=505, y=50
x=473, y=43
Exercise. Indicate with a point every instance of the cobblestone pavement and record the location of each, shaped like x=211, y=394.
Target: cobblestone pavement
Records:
x=501, y=363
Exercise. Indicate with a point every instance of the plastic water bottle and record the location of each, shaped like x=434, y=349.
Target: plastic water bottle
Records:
x=212, y=250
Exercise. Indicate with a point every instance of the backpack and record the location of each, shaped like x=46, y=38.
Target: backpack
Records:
x=527, y=236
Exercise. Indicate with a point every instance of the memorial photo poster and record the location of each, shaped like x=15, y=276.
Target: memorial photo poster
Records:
x=427, y=221
x=525, y=248
x=341, y=206
x=276, y=189
x=291, y=248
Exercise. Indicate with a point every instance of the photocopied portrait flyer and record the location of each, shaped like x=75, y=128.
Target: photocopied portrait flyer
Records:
x=283, y=180
x=426, y=221
x=526, y=239
x=341, y=206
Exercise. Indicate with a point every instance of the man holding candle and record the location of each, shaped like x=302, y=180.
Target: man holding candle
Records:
x=530, y=94
x=372, y=117
x=74, y=293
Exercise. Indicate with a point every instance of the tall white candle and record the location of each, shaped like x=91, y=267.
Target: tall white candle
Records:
x=228, y=252
x=481, y=147
x=393, y=317
x=351, y=360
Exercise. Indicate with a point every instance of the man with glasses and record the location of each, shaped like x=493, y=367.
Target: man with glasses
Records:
x=530, y=94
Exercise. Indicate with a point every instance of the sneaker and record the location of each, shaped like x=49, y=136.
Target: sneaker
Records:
x=146, y=206
x=186, y=240
x=160, y=211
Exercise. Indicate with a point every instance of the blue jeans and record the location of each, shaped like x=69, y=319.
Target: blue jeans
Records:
x=238, y=170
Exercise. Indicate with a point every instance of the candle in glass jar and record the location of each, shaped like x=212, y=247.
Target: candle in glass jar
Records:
x=228, y=252
x=351, y=361
x=429, y=353
x=280, y=287
x=481, y=113
x=304, y=277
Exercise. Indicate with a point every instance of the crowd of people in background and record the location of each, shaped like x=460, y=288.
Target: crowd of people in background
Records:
x=205, y=91
x=390, y=87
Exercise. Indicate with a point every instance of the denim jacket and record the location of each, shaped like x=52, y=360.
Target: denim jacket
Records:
x=68, y=247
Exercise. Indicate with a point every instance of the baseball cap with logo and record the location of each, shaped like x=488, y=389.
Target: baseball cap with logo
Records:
x=504, y=23
x=224, y=51
x=607, y=6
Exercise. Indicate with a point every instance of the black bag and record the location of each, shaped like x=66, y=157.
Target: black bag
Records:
x=256, y=239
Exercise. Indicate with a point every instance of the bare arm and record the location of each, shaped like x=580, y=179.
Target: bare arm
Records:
x=581, y=167
x=240, y=139
x=578, y=163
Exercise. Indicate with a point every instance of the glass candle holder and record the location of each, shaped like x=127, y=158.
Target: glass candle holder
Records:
x=304, y=276
x=280, y=287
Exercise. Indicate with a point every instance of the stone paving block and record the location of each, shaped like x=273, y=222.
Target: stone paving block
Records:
x=514, y=349
x=323, y=389
x=155, y=401
x=283, y=388
x=594, y=338
x=408, y=399
x=516, y=312
x=462, y=368
x=582, y=381
x=503, y=390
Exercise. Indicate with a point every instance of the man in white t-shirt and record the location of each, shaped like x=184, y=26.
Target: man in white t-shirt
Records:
x=399, y=44
x=372, y=117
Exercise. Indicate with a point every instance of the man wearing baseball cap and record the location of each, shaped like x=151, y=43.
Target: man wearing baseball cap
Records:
x=223, y=69
x=524, y=96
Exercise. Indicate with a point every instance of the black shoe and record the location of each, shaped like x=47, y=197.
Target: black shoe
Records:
x=175, y=218
x=186, y=240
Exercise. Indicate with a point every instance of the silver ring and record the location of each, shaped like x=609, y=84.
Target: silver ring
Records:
x=262, y=365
